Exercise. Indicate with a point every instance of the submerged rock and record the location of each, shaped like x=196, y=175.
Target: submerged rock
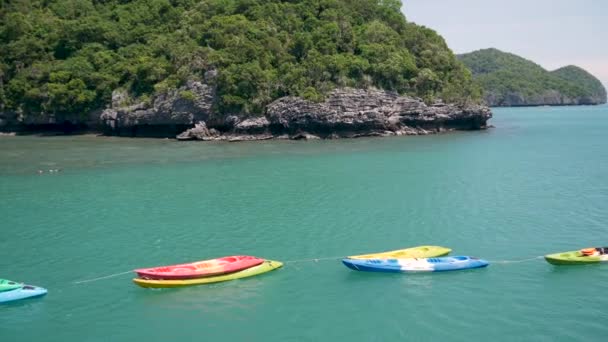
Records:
x=199, y=132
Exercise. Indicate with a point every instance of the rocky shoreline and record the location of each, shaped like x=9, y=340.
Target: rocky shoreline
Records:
x=346, y=113
x=187, y=114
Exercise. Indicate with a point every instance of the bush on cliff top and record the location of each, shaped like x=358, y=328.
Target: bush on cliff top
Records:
x=66, y=56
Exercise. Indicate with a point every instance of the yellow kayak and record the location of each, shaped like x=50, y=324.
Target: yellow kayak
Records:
x=266, y=266
x=414, y=252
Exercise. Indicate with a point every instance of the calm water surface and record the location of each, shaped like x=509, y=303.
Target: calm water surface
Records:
x=535, y=184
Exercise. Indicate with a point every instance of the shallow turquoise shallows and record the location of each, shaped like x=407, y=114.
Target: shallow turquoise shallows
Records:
x=534, y=185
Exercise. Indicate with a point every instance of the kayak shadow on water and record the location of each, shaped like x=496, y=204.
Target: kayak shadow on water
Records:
x=572, y=276
x=30, y=303
x=582, y=270
x=234, y=293
x=419, y=279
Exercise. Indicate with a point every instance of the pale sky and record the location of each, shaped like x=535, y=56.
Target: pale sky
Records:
x=552, y=33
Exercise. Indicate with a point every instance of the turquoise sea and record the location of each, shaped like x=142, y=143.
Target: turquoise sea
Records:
x=537, y=183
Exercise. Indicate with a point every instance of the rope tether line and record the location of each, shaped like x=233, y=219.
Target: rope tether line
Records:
x=101, y=278
x=303, y=260
x=515, y=261
x=314, y=259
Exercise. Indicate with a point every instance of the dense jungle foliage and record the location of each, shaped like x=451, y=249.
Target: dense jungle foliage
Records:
x=63, y=57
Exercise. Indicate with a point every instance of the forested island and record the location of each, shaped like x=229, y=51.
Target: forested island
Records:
x=229, y=69
x=510, y=80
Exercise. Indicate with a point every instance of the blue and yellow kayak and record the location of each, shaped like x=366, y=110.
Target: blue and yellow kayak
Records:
x=415, y=265
x=413, y=252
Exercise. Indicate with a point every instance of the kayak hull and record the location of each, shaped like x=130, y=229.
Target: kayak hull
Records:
x=25, y=291
x=415, y=265
x=8, y=285
x=574, y=258
x=266, y=266
x=199, y=269
x=414, y=252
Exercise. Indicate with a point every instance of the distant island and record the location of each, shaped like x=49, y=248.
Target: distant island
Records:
x=509, y=80
x=229, y=70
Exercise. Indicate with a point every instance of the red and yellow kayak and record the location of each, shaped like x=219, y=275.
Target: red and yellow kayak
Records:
x=264, y=267
x=200, y=269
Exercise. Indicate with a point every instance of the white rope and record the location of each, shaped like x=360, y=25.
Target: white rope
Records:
x=100, y=278
x=314, y=259
x=123, y=273
x=515, y=261
x=304, y=260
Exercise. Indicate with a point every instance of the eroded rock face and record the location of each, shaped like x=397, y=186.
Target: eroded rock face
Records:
x=8, y=120
x=348, y=113
x=187, y=113
x=48, y=123
x=172, y=111
x=357, y=112
x=252, y=126
x=199, y=132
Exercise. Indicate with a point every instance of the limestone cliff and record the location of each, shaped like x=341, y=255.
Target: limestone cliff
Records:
x=346, y=113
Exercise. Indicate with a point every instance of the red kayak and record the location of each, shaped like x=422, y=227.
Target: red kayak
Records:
x=200, y=269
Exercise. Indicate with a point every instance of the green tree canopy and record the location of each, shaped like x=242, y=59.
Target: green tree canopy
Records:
x=66, y=56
